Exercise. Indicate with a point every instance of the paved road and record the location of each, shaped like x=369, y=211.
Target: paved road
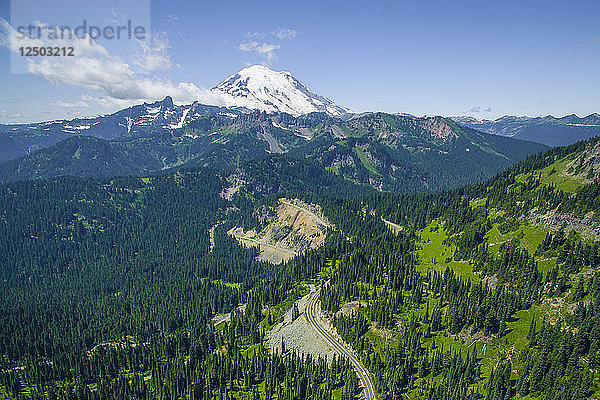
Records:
x=235, y=233
x=361, y=371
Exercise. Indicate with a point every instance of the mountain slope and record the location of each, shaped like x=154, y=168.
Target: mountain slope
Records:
x=548, y=130
x=253, y=88
x=83, y=156
x=143, y=120
x=394, y=152
x=268, y=113
x=505, y=283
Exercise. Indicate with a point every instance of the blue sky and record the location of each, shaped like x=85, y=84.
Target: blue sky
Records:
x=432, y=57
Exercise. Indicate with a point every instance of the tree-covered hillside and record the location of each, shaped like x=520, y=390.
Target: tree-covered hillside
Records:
x=493, y=292
x=108, y=287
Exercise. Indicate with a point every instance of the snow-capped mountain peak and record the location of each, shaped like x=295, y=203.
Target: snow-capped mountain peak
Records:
x=260, y=88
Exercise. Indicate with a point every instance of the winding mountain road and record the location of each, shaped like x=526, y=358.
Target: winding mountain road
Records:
x=361, y=371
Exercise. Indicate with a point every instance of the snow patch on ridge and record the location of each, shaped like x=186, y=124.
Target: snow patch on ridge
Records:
x=181, y=121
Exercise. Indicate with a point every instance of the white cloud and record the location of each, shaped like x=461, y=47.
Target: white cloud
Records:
x=254, y=43
x=283, y=33
x=262, y=49
x=10, y=115
x=253, y=35
x=155, y=55
x=479, y=109
x=594, y=40
x=95, y=69
x=80, y=103
x=108, y=102
x=48, y=35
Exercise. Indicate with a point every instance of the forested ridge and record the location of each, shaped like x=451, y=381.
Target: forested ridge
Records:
x=108, y=287
x=474, y=299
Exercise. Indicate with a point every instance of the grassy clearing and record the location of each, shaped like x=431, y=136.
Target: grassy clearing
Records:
x=228, y=284
x=337, y=394
x=4, y=395
x=478, y=202
x=251, y=349
x=529, y=236
x=326, y=272
x=334, y=168
x=435, y=255
x=381, y=344
x=546, y=264
x=365, y=161
x=558, y=175
x=220, y=326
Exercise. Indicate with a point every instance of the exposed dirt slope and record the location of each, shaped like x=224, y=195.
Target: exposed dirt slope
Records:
x=294, y=227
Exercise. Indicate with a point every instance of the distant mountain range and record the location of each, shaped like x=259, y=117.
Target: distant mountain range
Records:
x=144, y=120
x=383, y=151
x=549, y=130
x=270, y=113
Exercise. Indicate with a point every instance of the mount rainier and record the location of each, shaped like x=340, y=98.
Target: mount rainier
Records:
x=260, y=88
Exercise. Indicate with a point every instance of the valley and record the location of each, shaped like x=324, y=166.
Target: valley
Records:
x=549, y=130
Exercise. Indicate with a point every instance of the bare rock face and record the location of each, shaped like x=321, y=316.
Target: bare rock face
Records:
x=439, y=128
x=587, y=166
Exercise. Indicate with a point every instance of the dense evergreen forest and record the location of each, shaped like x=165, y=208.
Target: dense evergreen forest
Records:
x=108, y=287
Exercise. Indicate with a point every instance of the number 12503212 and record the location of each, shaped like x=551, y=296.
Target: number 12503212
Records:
x=47, y=51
